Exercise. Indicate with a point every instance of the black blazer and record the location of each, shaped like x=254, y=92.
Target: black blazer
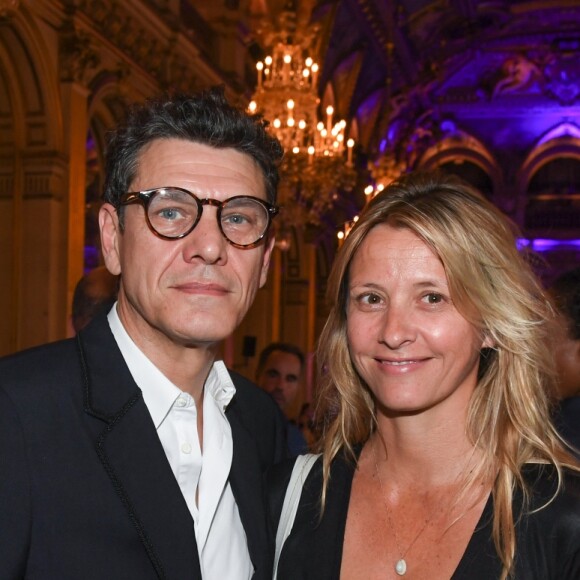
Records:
x=86, y=490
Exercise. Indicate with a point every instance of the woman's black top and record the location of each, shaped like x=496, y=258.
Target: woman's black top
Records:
x=548, y=541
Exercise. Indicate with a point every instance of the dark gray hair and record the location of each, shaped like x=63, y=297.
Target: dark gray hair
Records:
x=205, y=118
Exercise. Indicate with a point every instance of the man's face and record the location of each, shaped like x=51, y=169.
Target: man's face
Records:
x=281, y=377
x=192, y=291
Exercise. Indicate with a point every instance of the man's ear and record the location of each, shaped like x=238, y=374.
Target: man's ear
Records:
x=269, y=248
x=110, y=237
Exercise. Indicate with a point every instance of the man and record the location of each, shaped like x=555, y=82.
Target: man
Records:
x=95, y=291
x=566, y=345
x=279, y=373
x=130, y=452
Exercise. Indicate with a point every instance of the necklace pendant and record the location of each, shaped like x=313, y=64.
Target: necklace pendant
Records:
x=401, y=567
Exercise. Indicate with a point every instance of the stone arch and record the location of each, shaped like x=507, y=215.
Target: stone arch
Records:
x=546, y=151
x=556, y=209
x=32, y=180
x=463, y=148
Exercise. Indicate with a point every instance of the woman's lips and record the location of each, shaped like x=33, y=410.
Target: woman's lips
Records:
x=402, y=364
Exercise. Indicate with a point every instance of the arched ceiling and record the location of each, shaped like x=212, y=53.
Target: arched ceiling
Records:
x=442, y=82
x=446, y=52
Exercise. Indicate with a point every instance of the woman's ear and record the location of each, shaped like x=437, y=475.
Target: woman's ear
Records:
x=488, y=342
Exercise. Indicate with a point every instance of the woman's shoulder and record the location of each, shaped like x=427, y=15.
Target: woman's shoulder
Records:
x=549, y=529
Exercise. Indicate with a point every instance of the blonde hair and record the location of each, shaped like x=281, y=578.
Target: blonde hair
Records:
x=495, y=289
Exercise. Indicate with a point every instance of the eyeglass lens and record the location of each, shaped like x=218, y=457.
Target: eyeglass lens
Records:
x=173, y=212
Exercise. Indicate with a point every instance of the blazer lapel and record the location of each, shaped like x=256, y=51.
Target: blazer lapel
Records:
x=247, y=484
x=134, y=459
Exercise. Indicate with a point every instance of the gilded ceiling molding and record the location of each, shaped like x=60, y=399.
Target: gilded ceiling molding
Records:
x=8, y=8
x=376, y=23
x=77, y=57
x=152, y=48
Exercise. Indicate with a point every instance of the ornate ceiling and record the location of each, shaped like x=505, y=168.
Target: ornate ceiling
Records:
x=490, y=85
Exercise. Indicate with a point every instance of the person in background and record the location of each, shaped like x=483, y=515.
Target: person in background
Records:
x=280, y=373
x=94, y=292
x=566, y=346
x=439, y=459
x=130, y=451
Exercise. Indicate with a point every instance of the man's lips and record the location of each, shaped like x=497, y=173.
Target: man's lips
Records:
x=211, y=289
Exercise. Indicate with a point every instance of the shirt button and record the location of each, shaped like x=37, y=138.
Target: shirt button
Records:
x=186, y=448
x=181, y=402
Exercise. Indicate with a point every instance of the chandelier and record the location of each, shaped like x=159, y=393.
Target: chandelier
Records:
x=383, y=171
x=317, y=161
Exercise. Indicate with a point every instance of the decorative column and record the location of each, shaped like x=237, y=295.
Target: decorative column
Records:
x=77, y=58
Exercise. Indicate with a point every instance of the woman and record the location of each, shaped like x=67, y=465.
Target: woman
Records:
x=438, y=457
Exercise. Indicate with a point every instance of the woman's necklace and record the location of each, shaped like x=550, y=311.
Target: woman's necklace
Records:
x=401, y=564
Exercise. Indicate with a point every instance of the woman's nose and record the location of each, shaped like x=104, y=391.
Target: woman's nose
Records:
x=397, y=326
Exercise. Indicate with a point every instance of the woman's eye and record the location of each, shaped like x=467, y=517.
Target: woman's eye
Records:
x=369, y=299
x=433, y=298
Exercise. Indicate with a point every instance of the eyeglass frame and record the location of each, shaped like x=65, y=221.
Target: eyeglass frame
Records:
x=144, y=198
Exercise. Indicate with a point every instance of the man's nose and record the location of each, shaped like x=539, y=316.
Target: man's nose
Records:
x=206, y=241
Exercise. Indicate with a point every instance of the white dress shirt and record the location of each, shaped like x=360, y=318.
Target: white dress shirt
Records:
x=221, y=539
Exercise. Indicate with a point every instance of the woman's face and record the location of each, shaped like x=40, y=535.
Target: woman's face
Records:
x=407, y=340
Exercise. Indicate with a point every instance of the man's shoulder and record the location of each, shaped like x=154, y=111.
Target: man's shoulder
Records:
x=36, y=380
x=37, y=360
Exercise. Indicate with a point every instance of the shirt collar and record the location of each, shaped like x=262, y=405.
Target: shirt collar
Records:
x=159, y=393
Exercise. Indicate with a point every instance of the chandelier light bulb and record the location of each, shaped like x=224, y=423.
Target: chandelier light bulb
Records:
x=287, y=95
x=369, y=189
